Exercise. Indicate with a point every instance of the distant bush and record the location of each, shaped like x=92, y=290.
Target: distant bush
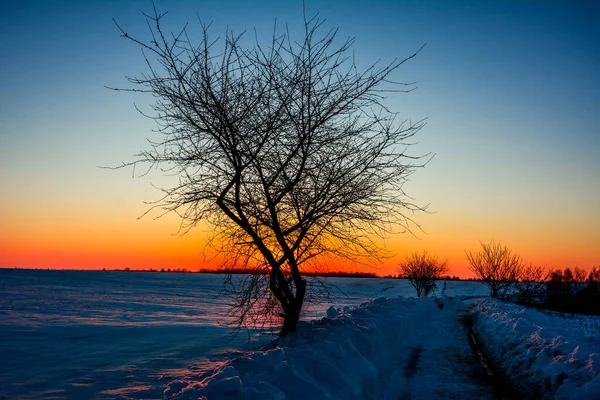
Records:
x=587, y=300
x=568, y=290
x=497, y=266
x=422, y=270
x=573, y=291
x=530, y=285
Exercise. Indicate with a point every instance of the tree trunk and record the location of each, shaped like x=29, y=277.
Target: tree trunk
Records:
x=494, y=289
x=292, y=311
x=290, y=322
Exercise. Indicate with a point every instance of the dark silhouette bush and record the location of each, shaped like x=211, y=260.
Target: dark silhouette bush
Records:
x=568, y=291
x=587, y=300
x=423, y=270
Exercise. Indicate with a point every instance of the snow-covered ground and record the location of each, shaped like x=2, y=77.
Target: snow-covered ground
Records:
x=94, y=334
x=388, y=348
x=75, y=334
x=546, y=355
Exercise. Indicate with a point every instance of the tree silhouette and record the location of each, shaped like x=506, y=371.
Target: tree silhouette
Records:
x=422, y=270
x=497, y=266
x=531, y=283
x=286, y=150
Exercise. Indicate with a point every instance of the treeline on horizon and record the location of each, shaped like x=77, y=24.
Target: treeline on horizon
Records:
x=566, y=275
x=242, y=271
x=234, y=271
x=575, y=275
x=250, y=271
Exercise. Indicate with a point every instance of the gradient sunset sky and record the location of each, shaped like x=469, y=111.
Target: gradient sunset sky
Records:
x=511, y=90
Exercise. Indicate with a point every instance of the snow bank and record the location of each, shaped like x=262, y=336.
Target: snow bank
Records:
x=307, y=365
x=546, y=355
x=369, y=351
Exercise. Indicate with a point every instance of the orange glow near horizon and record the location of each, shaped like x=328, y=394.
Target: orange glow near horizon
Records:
x=116, y=239
x=155, y=245
x=66, y=236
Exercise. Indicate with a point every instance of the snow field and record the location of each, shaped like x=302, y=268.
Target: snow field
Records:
x=80, y=334
x=101, y=335
x=545, y=355
x=386, y=348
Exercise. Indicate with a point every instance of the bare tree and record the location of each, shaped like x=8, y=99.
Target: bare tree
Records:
x=286, y=150
x=568, y=276
x=422, y=270
x=579, y=275
x=531, y=283
x=497, y=266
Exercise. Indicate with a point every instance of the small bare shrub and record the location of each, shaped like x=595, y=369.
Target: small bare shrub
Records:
x=497, y=266
x=422, y=270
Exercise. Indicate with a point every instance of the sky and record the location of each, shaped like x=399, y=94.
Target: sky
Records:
x=510, y=90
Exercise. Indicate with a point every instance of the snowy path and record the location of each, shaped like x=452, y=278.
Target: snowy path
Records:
x=435, y=360
x=385, y=349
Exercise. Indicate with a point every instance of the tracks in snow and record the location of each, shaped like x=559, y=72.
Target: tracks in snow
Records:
x=432, y=358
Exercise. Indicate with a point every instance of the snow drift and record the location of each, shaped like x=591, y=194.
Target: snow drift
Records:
x=385, y=348
x=545, y=355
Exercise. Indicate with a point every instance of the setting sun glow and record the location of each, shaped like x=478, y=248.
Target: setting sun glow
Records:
x=510, y=91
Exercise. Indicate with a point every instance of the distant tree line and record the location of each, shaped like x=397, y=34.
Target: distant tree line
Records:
x=510, y=278
x=127, y=269
x=246, y=271
x=330, y=274
x=573, y=291
x=342, y=274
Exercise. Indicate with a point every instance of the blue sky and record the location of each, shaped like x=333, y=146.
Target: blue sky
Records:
x=511, y=91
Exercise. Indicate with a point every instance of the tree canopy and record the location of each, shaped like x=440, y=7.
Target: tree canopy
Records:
x=285, y=149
